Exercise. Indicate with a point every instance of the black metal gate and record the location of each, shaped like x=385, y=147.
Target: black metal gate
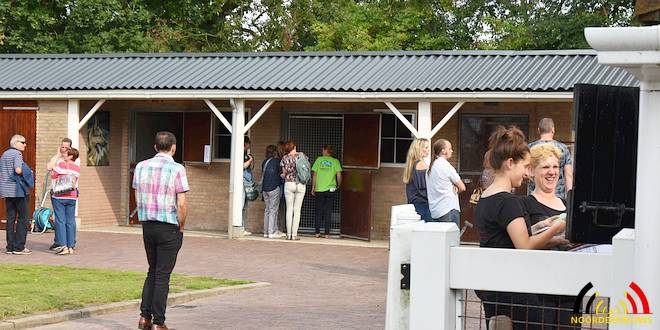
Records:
x=311, y=133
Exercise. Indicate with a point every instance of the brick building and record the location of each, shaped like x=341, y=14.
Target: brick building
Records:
x=369, y=104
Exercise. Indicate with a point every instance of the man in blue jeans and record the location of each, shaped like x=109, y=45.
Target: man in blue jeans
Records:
x=11, y=164
x=160, y=193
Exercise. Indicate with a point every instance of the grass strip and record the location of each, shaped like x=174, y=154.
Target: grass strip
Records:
x=29, y=289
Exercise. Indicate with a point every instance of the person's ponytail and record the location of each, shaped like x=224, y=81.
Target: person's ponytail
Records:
x=503, y=144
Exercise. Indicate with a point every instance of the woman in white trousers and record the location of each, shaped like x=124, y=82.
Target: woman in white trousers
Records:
x=294, y=190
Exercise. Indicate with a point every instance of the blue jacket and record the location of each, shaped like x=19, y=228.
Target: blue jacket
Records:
x=24, y=182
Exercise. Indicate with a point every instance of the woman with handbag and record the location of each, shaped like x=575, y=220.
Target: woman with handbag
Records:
x=64, y=196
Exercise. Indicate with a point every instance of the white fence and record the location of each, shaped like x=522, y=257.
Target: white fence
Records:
x=440, y=269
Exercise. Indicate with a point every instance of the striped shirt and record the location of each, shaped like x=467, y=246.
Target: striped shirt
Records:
x=156, y=182
x=10, y=160
x=64, y=168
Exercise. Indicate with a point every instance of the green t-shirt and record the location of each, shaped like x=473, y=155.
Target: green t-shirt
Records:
x=326, y=169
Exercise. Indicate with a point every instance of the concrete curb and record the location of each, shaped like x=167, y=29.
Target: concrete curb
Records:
x=173, y=299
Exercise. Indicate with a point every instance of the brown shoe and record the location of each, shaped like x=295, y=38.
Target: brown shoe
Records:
x=144, y=323
x=160, y=327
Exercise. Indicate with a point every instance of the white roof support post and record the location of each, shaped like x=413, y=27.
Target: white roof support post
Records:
x=637, y=50
x=257, y=116
x=218, y=114
x=236, y=197
x=73, y=116
x=403, y=119
x=446, y=118
x=424, y=119
x=90, y=114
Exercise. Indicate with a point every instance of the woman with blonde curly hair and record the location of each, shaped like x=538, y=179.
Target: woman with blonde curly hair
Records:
x=415, y=179
x=541, y=205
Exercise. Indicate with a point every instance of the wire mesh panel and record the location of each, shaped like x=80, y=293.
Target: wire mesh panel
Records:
x=505, y=310
x=311, y=133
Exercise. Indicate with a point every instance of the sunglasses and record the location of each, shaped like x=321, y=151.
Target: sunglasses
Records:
x=22, y=142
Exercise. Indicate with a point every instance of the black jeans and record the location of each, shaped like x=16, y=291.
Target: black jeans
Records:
x=16, y=237
x=524, y=309
x=162, y=242
x=324, y=203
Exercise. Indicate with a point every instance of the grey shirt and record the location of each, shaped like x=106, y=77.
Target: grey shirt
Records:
x=10, y=160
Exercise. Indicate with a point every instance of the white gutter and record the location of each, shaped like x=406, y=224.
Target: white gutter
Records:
x=293, y=96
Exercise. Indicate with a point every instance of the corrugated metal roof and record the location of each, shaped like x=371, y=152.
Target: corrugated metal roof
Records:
x=398, y=71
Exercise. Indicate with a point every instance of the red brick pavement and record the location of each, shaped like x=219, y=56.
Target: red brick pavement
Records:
x=313, y=286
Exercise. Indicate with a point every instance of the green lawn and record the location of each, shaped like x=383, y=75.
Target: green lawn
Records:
x=28, y=289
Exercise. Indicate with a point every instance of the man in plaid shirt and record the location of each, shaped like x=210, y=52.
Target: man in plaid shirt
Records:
x=160, y=193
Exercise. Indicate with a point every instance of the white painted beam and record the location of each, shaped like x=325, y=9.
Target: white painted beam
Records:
x=424, y=119
x=90, y=114
x=73, y=117
x=217, y=113
x=257, y=116
x=446, y=118
x=236, y=197
x=403, y=119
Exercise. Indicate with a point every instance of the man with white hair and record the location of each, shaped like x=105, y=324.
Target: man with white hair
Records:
x=11, y=164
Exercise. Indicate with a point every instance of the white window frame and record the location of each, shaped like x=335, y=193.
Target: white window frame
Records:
x=215, y=122
x=412, y=112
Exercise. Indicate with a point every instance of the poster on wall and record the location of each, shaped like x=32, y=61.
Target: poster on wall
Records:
x=98, y=139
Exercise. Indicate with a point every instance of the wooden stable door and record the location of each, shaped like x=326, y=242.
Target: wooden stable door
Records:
x=361, y=157
x=23, y=122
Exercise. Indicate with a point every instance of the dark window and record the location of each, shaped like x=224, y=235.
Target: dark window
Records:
x=395, y=139
x=222, y=137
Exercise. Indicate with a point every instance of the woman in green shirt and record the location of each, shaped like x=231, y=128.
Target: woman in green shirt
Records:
x=326, y=179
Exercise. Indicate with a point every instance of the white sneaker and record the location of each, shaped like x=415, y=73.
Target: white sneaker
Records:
x=246, y=233
x=266, y=235
x=273, y=236
x=280, y=234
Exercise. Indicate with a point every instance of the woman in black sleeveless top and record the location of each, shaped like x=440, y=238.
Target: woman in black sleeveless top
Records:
x=541, y=204
x=414, y=176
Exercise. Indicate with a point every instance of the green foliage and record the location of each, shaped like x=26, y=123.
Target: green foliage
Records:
x=27, y=289
x=96, y=26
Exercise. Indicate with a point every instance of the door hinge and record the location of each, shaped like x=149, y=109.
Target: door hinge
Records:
x=405, y=280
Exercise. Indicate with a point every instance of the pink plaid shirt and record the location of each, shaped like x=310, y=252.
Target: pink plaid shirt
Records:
x=156, y=182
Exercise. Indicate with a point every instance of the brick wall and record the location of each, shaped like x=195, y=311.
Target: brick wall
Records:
x=102, y=188
x=52, y=126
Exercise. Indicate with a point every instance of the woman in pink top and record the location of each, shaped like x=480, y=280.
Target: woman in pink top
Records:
x=64, y=204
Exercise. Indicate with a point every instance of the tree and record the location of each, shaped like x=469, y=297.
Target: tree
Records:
x=94, y=26
x=550, y=24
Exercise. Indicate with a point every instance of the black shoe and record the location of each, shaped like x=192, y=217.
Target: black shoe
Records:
x=53, y=247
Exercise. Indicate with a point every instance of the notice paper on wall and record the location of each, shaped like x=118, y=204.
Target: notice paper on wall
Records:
x=207, y=153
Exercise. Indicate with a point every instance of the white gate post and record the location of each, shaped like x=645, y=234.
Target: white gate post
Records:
x=398, y=300
x=432, y=301
x=637, y=50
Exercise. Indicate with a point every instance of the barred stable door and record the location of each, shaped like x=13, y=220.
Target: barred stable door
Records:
x=23, y=122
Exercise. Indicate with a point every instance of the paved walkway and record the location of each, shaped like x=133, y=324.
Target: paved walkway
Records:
x=313, y=286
